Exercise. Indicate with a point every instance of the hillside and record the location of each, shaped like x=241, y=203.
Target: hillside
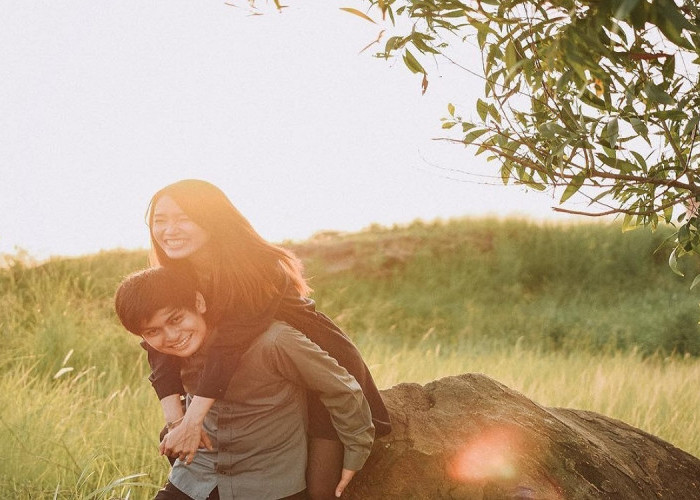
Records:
x=570, y=315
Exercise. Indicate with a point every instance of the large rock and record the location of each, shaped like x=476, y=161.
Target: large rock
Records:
x=473, y=438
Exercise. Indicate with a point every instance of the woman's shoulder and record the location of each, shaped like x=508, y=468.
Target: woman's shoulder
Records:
x=282, y=337
x=277, y=330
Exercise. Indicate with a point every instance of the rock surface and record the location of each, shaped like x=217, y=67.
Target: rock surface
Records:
x=471, y=437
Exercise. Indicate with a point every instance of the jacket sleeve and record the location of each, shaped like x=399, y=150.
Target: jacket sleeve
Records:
x=304, y=363
x=222, y=355
x=165, y=372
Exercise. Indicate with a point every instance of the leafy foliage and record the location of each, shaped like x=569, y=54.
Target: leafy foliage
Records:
x=597, y=98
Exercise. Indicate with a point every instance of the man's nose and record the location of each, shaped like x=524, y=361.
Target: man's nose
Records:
x=171, y=333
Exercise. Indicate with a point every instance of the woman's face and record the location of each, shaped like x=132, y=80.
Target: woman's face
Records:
x=175, y=232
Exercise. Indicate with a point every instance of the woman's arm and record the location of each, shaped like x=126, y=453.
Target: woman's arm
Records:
x=186, y=434
x=165, y=373
x=172, y=409
x=303, y=362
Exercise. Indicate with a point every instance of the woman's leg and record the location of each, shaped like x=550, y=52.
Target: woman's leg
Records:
x=325, y=463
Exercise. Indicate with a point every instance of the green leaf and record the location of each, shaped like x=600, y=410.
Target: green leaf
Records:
x=482, y=108
x=393, y=43
x=420, y=44
x=574, y=185
x=690, y=126
x=591, y=99
x=506, y=171
x=695, y=282
x=639, y=126
x=625, y=8
x=474, y=135
x=668, y=213
x=483, y=30
x=671, y=23
x=657, y=94
x=610, y=132
x=511, y=58
x=669, y=68
x=620, y=164
x=564, y=80
x=600, y=196
x=454, y=13
x=673, y=263
x=448, y=124
x=639, y=15
x=358, y=14
x=412, y=63
x=493, y=112
x=485, y=144
x=670, y=114
x=629, y=223
x=451, y=109
x=640, y=160
x=466, y=127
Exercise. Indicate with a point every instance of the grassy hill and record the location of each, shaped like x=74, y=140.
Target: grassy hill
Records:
x=494, y=283
x=578, y=315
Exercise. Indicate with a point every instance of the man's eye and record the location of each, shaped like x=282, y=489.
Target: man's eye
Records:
x=176, y=319
x=148, y=333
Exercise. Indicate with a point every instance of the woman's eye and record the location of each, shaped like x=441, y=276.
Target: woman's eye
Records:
x=148, y=333
x=176, y=319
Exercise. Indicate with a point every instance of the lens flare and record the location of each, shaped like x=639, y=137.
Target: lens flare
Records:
x=491, y=455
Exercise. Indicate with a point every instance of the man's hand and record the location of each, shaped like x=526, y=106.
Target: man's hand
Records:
x=184, y=440
x=345, y=478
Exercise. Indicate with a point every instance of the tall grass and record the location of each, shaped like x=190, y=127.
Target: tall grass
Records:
x=578, y=316
x=558, y=287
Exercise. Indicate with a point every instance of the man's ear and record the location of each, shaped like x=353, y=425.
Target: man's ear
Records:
x=200, y=304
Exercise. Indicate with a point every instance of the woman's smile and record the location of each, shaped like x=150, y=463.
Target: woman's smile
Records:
x=174, y=243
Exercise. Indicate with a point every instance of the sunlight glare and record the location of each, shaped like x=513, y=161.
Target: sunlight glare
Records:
x=489, y=455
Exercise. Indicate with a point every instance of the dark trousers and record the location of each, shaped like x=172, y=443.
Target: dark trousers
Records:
x=170, y=492
x=322, y=474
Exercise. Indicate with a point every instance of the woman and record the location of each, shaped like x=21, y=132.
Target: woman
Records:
x=248, y=283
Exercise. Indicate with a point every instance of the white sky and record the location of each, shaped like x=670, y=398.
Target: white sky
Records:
x=104, y=102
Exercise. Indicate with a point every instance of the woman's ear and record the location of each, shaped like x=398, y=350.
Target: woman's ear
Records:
x=200, y=304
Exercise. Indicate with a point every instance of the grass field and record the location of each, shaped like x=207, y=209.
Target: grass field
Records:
x=579, y=316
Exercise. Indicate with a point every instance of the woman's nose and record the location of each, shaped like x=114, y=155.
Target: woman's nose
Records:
x=170, y=227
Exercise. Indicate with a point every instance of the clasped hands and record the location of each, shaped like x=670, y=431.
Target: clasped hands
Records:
x=184, y=439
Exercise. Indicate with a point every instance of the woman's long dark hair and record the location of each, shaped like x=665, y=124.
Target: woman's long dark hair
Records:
x=246, y=272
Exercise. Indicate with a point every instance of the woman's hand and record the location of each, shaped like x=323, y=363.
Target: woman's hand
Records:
x=345, y=478
x=183, y=440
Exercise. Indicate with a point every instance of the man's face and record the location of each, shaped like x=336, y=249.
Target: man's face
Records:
x=177, y=331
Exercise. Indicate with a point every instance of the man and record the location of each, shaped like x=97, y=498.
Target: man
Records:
x=256, y=432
